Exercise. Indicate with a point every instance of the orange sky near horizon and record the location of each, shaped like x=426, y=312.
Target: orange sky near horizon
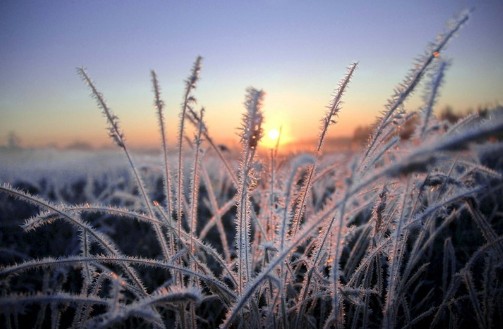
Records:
x=298, y=115
x=299, y=121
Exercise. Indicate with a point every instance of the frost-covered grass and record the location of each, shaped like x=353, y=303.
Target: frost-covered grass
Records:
x=405, y=233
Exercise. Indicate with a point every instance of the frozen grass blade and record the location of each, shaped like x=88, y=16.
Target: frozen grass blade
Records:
x=188, y=101
x=117, y=135
x=332, y=112
x=194, y=194
x=250, y=137
x=159, y=105
x=431, y=97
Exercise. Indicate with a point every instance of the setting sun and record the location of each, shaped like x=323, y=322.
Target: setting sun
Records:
x=273, y=134
x=272, y=137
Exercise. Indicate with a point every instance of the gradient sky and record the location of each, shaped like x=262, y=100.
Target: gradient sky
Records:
x=297, y=51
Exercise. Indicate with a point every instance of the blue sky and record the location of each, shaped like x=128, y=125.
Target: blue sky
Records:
x=296, y=51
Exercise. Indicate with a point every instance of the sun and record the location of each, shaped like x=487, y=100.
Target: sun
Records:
x=273, y=134
x=272, y=137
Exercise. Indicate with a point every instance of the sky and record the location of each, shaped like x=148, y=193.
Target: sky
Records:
x=296, y=51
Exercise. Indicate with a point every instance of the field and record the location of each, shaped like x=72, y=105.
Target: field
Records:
x=404, y=233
